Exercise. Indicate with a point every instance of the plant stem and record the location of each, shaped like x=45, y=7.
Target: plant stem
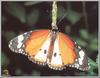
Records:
x=54, y=15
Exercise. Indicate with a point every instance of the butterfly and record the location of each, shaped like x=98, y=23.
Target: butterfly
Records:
x=52, y=48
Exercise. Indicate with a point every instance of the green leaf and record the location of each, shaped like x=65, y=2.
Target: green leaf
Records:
x=97, y=59
x=4, y=59
x=93, y=43
x=84, y=34
x=36, y=73
x=93, y=39
x=28, y=3
x=73, y=16
x=91, y=73
x=8, y=35
x=32, y=17
x=17, y=10
x=93, y=46
x=18, y=71
x=61, y=13
x=4, y=19
x=93, y=64
x=81, y=42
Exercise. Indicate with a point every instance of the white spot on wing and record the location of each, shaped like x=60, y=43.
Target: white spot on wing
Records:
x=20, y=50
x=81, y=54
x=20, y=39
x=10, y=43
x=41, y=56
x=75, y=43
x=76, y=65
x=79, y=47
x=56, y=60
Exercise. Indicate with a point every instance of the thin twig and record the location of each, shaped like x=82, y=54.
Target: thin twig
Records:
x=85, y=15
x=54, y=15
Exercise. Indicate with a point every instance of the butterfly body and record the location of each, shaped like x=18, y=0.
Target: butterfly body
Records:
x=50, y=47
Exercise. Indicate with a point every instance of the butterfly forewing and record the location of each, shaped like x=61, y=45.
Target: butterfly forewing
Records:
x=35, y=44
x=66, y=47
x=17, y=44
x=56, y=59
x=82, y=61
x=72, y=54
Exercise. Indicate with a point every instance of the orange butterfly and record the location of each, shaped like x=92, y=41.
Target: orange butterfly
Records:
x=52, y=48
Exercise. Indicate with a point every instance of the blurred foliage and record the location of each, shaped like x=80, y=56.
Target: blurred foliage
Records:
x=71, y=15
x=36, y=73
x=19, y=17
x=8, y=35
x=4, y=60
x=31, y=3
x=32, y=18
x=17, y=11
x=18, y=71
x=87, y=39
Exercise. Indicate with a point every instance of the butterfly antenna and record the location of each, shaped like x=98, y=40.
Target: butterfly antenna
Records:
x=61, y=18
x=54, y=15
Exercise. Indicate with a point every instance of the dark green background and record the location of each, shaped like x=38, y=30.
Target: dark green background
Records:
x=79, y=20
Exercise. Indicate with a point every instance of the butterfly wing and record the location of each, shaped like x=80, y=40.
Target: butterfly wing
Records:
x=66, y=47
x=55, y=61
x=63, y=52
x=72, y=55
x=17, y=44
x=82, y=61
x=37, y=46
x=34, y=44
